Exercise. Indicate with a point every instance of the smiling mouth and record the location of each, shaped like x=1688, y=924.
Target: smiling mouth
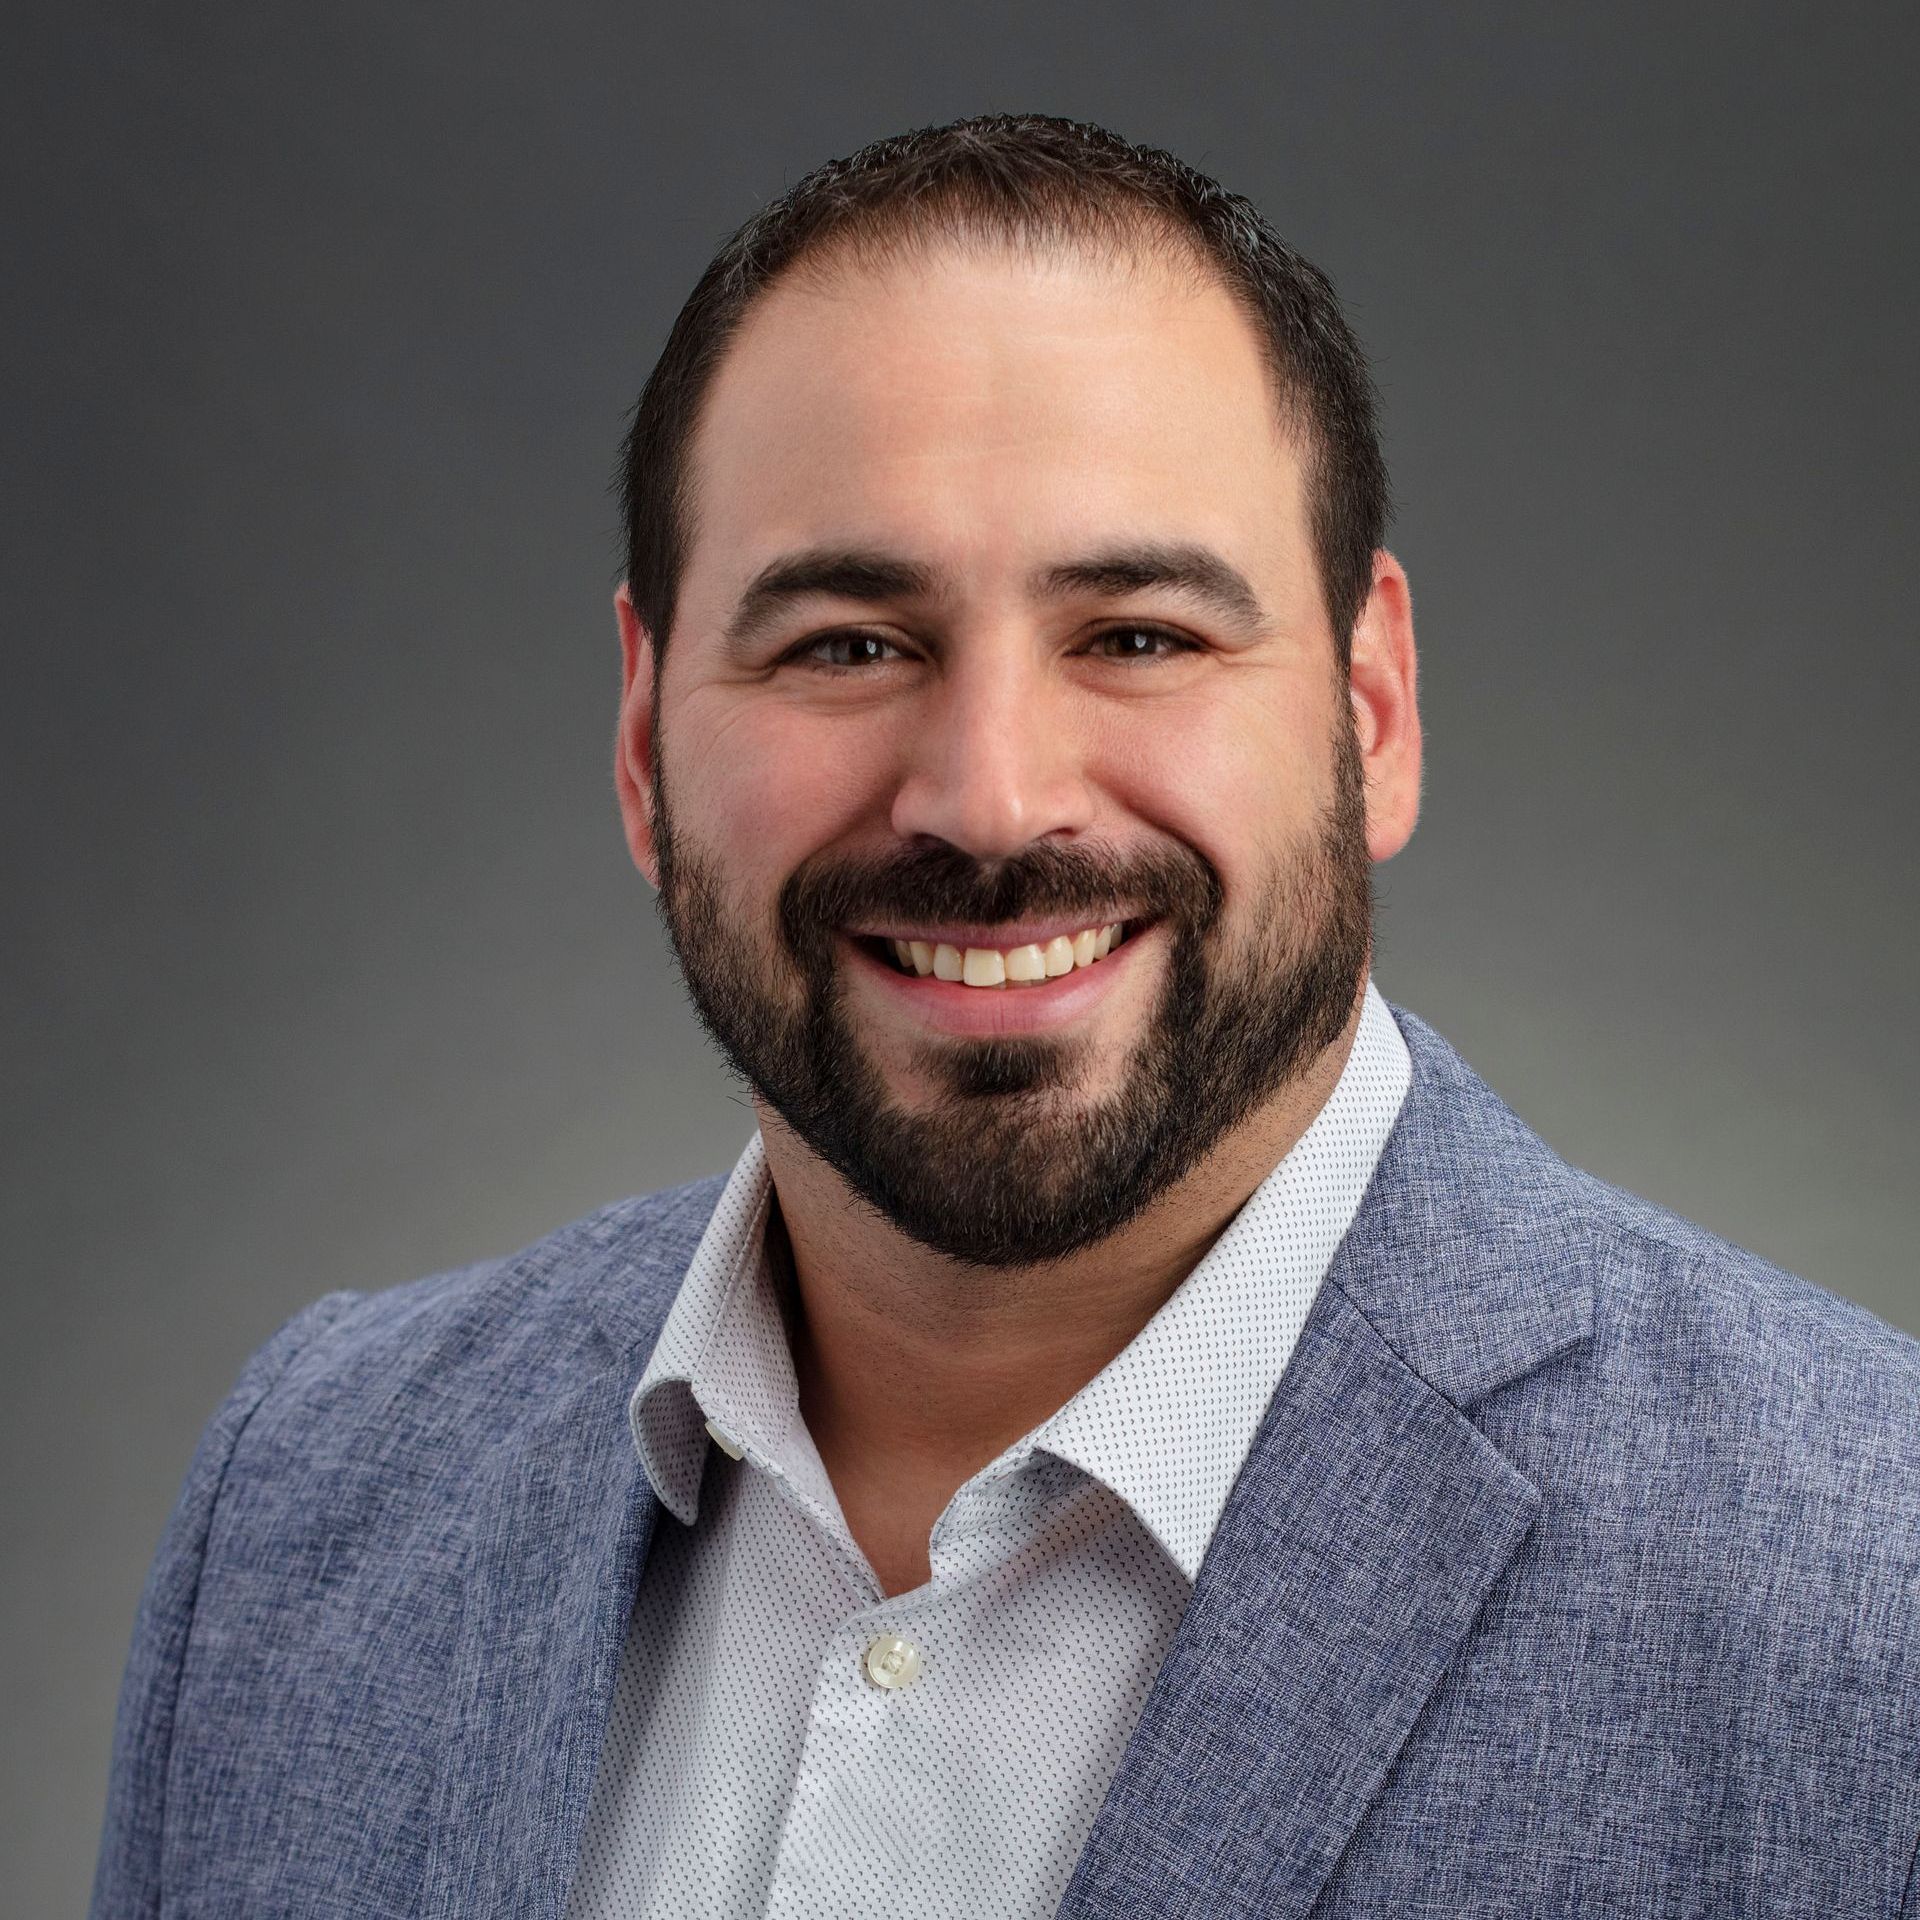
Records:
x=1032, y=964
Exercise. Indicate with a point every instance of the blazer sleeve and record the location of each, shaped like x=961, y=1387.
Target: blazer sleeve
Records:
x=126, y=1883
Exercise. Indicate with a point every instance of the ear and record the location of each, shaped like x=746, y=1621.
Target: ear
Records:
x=633, y=745
x=1386, y=711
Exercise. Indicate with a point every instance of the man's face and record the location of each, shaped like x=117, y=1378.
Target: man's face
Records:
x=1050, y=654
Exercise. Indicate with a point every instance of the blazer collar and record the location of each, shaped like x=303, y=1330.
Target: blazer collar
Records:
x=1469, y=1252
x=1368, y=1525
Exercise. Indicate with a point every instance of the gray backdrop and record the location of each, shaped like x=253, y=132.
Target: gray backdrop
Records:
x=327, y=967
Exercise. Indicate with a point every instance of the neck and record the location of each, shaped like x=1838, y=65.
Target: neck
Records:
x=915, y=1370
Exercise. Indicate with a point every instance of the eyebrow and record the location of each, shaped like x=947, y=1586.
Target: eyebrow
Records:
x=872, y=576
x=1195, y=572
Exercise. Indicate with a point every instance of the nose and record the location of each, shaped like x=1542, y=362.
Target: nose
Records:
x=996, y=759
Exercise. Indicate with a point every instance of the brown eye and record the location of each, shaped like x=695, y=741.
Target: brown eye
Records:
x=846, y=649
x=1144, y=643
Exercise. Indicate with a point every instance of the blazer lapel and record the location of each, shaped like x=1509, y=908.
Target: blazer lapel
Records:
x=560, y=1534
x=1369, y=1523
x=563, y=1515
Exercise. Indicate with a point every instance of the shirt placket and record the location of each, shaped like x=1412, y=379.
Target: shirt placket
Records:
x=866, y=1810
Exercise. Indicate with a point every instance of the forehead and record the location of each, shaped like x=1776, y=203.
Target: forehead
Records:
x=983, y=410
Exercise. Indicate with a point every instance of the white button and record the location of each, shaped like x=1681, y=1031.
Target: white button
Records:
x=891, y=1661
x=725, y=1445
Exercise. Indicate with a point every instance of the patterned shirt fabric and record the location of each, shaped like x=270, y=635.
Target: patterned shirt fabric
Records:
x=786, y=1741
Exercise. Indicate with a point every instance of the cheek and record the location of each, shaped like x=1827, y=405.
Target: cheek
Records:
x=765, y=785
x=1230, y=779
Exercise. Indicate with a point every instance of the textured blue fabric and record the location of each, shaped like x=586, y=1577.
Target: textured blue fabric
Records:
x=1573, y=1571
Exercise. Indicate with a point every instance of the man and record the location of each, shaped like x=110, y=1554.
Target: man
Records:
x=1142, y=1429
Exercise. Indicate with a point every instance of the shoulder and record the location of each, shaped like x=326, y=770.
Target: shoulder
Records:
x=1722, y=1371
x=1701, y=1415
x=1774, y=1426
x=1703, y=1355
x=1687, y=1327
x=1742, y=1343
x=472, y=1349
x=1733, y=1456
x=1730, y=1473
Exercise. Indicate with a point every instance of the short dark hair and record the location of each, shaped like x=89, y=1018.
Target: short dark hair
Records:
x=1035, y=180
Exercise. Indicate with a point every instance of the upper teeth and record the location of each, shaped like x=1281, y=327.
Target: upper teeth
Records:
x=996, y=966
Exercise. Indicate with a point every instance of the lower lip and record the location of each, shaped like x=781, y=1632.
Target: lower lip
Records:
x=950, y=1007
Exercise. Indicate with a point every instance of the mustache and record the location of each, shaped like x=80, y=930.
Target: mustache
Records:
x=941, y=882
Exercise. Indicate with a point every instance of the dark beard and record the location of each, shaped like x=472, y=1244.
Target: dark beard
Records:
x=1010, y=1169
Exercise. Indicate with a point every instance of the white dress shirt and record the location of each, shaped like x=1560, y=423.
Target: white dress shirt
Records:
x=786, y=1741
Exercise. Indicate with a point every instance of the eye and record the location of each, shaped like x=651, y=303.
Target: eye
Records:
x=1156, y=643
x=838, y=652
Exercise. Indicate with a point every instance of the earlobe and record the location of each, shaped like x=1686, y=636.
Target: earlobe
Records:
x=633, y=745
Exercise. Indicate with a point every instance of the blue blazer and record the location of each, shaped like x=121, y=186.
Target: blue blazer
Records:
x=1573, y=1571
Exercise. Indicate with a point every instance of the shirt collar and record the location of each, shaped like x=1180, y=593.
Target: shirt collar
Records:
x=722, y=1365
x=1165, y=1425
